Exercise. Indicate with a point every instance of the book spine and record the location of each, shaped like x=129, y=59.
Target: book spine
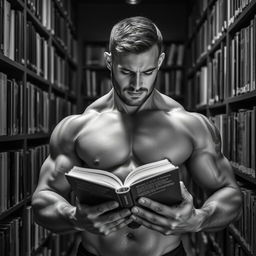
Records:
x=125, y=198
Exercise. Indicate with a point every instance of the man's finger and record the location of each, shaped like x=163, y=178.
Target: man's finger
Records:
x=101, y=208
x=150, y=225
x=167, y=211
x=184, y=192
x=151, y=217
x=114, y=216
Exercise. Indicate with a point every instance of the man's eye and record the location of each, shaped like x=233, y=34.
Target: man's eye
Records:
x=148, y=73
x=125, y=72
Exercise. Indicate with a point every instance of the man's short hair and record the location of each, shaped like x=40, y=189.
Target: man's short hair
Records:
x=134, y=35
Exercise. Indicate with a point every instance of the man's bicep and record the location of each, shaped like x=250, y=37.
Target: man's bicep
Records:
x=207, y=164
x=211, y=173
x=52, y=175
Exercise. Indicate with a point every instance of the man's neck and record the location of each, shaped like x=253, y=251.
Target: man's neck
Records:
x=122, y=107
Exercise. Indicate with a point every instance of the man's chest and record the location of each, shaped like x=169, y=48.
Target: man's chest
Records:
x=114, y=140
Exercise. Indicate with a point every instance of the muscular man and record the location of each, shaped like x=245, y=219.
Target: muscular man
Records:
x=135, y=124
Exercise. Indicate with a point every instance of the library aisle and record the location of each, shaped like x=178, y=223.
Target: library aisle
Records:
x=52, y=66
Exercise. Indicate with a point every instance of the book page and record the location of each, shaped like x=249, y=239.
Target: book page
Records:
x=96, y=176
x=149, y=170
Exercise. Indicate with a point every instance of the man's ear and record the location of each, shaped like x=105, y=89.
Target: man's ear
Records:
x=160, y=60
x=108, y=59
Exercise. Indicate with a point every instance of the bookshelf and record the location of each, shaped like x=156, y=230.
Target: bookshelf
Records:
x=221, y=85
x=96, y=76
x=38, y=64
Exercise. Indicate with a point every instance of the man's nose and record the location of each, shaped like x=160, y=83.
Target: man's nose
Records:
x=136, y=83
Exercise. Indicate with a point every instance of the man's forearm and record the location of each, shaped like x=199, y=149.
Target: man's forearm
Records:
x=53, y=212
x=220, y=209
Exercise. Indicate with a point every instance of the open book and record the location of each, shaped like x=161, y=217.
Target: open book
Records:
x=158, y=181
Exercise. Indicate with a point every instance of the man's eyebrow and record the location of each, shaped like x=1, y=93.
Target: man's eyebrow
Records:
x=147, y=70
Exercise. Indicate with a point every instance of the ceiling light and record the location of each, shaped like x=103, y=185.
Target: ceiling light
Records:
x=133, y=2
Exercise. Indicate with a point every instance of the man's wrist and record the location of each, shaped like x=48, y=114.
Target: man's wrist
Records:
x=204, y=215
x=69, y=214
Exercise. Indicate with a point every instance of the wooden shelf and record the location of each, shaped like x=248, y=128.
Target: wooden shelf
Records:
x=59, y=91
x=217, y=105
x=40, y=28
x=60, y=48
x=217, y=44
x=243, y=17
x=33, y=77
x=12, y=209
x=242, y=98
x=7, y=64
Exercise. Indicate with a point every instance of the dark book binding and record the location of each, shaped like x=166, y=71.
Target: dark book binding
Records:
x=163, y=188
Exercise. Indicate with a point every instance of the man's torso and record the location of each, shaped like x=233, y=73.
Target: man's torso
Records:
x=118, y=142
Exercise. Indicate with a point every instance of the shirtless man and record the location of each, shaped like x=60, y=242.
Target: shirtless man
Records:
x=135, y=124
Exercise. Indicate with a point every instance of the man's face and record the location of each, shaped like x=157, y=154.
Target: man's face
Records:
x=134, y=75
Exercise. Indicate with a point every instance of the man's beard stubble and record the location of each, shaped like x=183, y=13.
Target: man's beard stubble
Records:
x=117, y=89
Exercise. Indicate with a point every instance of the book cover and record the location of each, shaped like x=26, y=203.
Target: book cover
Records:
x=158, y=181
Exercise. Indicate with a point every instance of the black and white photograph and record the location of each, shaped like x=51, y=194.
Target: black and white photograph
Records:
x=127, y=127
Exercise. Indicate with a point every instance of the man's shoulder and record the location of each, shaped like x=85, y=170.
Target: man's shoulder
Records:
x=67, y=129
x=196, y=125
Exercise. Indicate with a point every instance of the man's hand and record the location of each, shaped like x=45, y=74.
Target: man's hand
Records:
x=169, y=220
x=99, y=220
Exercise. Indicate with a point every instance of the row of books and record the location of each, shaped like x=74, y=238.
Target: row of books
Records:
x=217, y=21
x=96, y=83
x=37, y=52
x=212, y=79
x=238, y=134
x=170, y=82
x=12, y=185
x=11, y=106
x=242, y=60
x=217, y=77
x=10, y=237
x=246, y=225
x=35, y=157
x=174, y=54
x=221, y=15
x=200, y=43
x=11, y=32
x=94, y=54
x=42, y=10
x=209, y=32
x=36, y=235
x=235, y=8
x=38, y=105
x=38, y=109
x=59, y=70
x=56, y=21
x=45, y=60
x=60, y=108
x=13, y=242
x=242, y=138
x=198, y=9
